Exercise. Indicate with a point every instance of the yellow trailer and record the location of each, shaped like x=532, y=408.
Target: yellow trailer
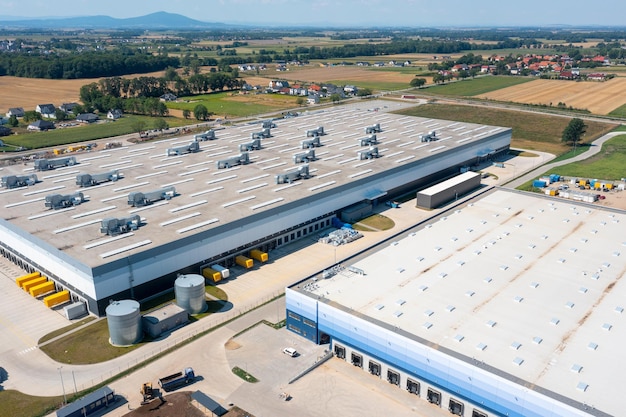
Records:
x=258, y=255
x=21, y=280
x=608, y=186
x=44, y=288
x=30, y=284
x=244, y=261
x=56, y=298
x=583, y=182
x=211, y=275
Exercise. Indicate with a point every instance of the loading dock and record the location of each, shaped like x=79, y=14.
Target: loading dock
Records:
x=356, y=360
x=374, y=368
x=433, y=397
x=412, y=386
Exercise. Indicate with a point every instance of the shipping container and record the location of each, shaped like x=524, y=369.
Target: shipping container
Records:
x=244, y=261
x=36, y=281
x=258, y=255
x=224, y=271
x=608, y=186
x=539, y=184
x=44, y=288
x=21, y=280
x=582, y=182
x=211, y=274
x=56, y=298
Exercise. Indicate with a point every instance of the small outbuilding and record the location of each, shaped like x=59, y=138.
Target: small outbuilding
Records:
x=448, y=190
x=164, y=319
x=87, y=118
x=89, y=404
x=40, y=125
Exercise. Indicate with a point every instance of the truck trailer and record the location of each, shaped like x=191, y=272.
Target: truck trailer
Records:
x=138, y=198
x=177, y=380
x=88, y=180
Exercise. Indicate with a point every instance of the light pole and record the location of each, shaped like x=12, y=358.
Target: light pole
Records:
x=62, y=385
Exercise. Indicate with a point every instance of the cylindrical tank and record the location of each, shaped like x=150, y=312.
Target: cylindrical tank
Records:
x=189, y=290
x=124, y=318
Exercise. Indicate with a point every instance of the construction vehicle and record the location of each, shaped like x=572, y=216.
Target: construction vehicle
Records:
x=241, y=159
x=138, y=198
x=116, y=226
x=370, y=153
x=304, y=156
x=315, y=132
x=58, y=201
x=429, y=137
x=293, y=175
x=249, y=146
x=208, y=135
x=48, y=164
x=15, y=181
x=177, y=380
x=369, y=140
x=373, y=129
x=88, y=180
x=310, y=143
x=147, y=392
x=268, y=124
x=192, y=147
x=263, y=134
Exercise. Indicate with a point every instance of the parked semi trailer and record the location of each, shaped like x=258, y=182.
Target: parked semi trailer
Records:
x=15, y=181
x=48, y=164
x=171, y=382
x=138, y=198
x=87, y=180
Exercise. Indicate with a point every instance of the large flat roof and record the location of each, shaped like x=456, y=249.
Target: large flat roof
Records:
x=530, y=285
x=208, y=196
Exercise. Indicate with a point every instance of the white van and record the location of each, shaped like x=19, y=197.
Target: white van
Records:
x=290, y=351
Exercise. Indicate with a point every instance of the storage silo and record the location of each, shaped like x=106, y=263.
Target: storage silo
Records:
x=189, y=290
x=124, y=318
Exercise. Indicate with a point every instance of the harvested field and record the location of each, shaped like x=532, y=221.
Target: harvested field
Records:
x=597, y=97
x=348, y=73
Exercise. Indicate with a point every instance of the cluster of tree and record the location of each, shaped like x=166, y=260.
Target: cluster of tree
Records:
x=574, y=131
x=83, y=65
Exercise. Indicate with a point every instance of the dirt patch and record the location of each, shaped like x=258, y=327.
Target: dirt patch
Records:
x=173, y=405
x=597, y=97
x=232, y=345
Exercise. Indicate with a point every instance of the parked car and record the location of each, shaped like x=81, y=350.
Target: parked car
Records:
x=290, y=351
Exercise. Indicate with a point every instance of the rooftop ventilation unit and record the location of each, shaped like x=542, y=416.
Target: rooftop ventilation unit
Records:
x=48, y=164
x=429, y=137
x=255, y=144
x=15, y=181
x=315, y=132
x=58, y=201
x=263, y=134
x=289, y=177
x=115, y=226
x=208, y=135
x=373, y=129
x=369, y=140
x=87, y=180
x=307, y=156
x=192, y=147
x=370, y=153
x=311, y=143
x=268, y=124
x=241, y=159
x=138, y=198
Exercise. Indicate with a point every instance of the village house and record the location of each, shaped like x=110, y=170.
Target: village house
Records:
x=114, y=114
x=87, y=118
x=40, y=126
x=46, y=110
x=168, y=97
x=15, y=111
x=68, y=107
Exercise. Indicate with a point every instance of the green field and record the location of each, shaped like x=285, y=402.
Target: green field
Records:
x=105, y=129
x=235, y=105
x=474, y=86
x=531, y=131
x=619, y=112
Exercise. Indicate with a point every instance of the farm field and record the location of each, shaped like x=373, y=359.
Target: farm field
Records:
x=597, y=97
x=531, y=131
x=475, y=86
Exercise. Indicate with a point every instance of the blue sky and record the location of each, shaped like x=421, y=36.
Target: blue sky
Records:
x=416, y=13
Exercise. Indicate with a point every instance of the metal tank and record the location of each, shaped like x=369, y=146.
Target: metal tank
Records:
x=189, y=290
x=124, y=318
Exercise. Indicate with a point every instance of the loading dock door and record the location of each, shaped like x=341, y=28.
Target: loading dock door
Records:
x=476, y=413
x=374, y=368
x=455, y=407
x=357, y=360
x=413, y=386
x=393, y=377
x=340, y=352
x=433, y=397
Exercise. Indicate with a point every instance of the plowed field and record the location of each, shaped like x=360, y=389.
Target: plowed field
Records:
x=597, y=97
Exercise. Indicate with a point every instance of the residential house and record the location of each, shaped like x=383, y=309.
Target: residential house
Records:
x=298, y=91
x=596, y=76
x=566, y=75
x=87, y=118
x=114, y=114
x=16, y=111
x=459, y=67
x=46, y=110
x=41, y=125
x=379, y=64
x=315, y=87
x=68, y=107
x=313, y=98
x=278, y=84
x=350, y=89
x=168, y=97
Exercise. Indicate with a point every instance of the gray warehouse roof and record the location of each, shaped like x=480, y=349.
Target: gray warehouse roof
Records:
x=208, y=196
x=529, y=285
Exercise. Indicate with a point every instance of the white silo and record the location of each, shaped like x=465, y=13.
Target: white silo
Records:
x=124, y=319
x=189, y=290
